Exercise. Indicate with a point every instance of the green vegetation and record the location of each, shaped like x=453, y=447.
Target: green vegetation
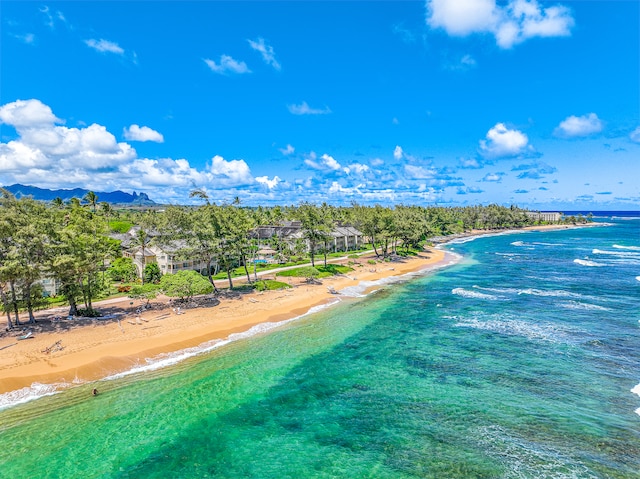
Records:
x=152, y=273
x=315, y=272
x=69, y=244
x=122, y=270
x=270, y=285
x=185, y=284
x=120, y=226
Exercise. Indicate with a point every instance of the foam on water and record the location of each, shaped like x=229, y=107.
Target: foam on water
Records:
x=465, y=293
x=633, y=248
x=636, y=390
x=498, y=290
x=537, y=332
x=585, y=262
x=637, y=278
x=582, y=306
x=26, y=394
x=525, y=458
x=624, y=254
x=554, y=293
x=510, y=326
x=559, y=293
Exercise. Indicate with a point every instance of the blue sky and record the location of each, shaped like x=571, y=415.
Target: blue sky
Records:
x=448, y=102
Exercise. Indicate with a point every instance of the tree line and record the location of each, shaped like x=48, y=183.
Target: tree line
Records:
x=75, y=245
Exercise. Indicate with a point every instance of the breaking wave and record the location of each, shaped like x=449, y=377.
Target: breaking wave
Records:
x=582, y=306
x=26, y=394
x=465, y=293
x=542, y=331
x=632, y=248
x=585, y=262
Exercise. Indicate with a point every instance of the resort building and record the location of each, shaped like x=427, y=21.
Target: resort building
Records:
x=548, y=216
x=165, y=257
x=291, y=236
x=274, y=244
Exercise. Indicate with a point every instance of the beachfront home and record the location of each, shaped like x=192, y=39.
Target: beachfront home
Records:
x=291, y=236
x=346, y=238
x=165, y=255
x=548, y=216
x=166, y=258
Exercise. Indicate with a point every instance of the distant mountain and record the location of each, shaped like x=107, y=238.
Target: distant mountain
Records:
x=43, y=194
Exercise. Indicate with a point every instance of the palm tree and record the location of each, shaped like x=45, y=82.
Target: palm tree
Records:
x=200, y=194
x=57, y=202
x=108, y=211
x=92, y=199
x=142, y=239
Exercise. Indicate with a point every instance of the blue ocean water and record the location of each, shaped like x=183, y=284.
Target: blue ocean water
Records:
x=520, y=361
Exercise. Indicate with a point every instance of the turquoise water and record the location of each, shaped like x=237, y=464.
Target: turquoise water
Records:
x=518, y=362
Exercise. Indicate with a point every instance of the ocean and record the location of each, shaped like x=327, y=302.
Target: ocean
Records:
x=521, y=360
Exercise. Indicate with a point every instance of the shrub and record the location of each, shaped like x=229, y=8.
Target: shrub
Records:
x=152, y=273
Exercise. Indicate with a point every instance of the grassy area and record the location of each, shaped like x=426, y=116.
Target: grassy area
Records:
x=120, y=226
x=270, y=285
x=324, y=271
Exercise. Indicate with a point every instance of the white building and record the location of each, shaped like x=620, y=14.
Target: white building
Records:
x=551, y=217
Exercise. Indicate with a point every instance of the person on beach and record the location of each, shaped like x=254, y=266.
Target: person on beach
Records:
x=94, y=392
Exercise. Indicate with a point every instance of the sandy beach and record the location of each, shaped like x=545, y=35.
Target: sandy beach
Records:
x=80, y=350
x=83, y=349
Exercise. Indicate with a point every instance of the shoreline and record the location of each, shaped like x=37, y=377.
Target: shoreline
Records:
x=126, y=342
x=96, y=349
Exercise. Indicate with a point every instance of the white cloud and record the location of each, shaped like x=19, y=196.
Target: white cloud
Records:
x=578, y=126
x=227, y=64
x=510, y=24
x=330, y=162
x=268, y=55
x=52, y=17
x=419, y=172
x=52, y=156
x=357, y=169
x=304, y=109
x=142, y=133
x=470, y=163
x=23, y=114
x=462, y=17
x=230, y=173
x=289, y=150
x=326, y=162
x=503, y=142
x=635, y=135
x=103, y=46
x=376, y=162
x=28, y=38
x=493, y=177
x=397, y=152
x=270, y=184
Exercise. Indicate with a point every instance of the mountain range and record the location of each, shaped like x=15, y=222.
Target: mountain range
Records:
x=114, y=197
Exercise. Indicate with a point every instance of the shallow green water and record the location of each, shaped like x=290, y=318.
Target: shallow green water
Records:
x=496, y=367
